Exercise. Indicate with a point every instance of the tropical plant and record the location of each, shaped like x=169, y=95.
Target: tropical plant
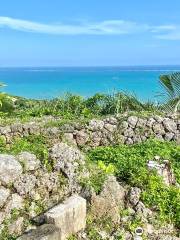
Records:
x=73, y=106
x=171, y=83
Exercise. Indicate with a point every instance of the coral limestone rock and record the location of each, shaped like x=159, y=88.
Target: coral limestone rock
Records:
x=68, y=160
x=69, y=217
x=4, y=194
x=164, y=170
x=10, y=169
x=170, y=125
x=29, y=161
x=109, y=201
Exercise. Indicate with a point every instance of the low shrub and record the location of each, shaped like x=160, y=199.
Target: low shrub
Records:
x=130, y=164
x=72, y=106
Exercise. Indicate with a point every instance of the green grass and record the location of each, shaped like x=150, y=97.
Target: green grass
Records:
x=37, y=144
x=130, y=163
x=73, y=106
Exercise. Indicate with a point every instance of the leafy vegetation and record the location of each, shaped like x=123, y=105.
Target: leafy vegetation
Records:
x=130, y=164
x=171, y=84
x=6, y=101
x=72, y=106
x=97, y=175
x=37, y=144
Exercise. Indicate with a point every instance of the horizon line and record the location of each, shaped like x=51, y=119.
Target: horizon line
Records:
x=91, y=66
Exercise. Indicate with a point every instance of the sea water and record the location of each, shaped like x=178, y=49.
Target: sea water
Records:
x=50, y=82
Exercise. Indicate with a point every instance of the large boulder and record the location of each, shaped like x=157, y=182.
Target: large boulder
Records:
x=10, y=169
x=109, y=201
x=67, y=160
x=69, y=217
x=170, y=125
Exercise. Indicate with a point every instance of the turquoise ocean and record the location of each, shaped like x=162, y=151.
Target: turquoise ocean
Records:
x=50, y=82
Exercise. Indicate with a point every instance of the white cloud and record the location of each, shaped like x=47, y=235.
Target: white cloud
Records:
x=170, y=36
x=171, y=32
x=163, y=28
x=99, y=28
x=108, y=27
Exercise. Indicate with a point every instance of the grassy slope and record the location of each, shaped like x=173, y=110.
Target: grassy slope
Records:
x=127, y=163
x=130, y=164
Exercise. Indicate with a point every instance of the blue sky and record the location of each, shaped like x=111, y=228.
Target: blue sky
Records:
x=89, y=33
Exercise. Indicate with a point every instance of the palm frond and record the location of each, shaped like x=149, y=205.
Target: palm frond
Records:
x=166, y=83
x=171, y=84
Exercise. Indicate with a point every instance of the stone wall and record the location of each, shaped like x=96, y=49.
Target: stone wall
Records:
x=61, y=221
x=27, y=188
x=70, y=217
x=111, y=130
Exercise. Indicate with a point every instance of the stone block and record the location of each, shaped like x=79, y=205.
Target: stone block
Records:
x=69, y=217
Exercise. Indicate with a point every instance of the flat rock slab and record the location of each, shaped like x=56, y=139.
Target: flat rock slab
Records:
x=69, y=217
x=44, y=232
